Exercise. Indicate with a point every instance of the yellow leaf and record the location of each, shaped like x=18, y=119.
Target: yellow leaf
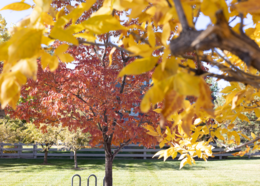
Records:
x=10, y=88
x=60, y=13
x=4, y=51
x=102, y=24
x=182, y=156
x=157, y=110
x=46, y=40
x=169, y=152
x=48, y=60
x=63, y=35
x=250, y=6
x=204, y=102
x=139, y=66
x=61, y=49
x=161, y=145
x=243, y=117
x=218, y=135
x=75, y=28
x=173, y=102
x=187, y=84
x=198, y=152
x=237, y=137
x=79, y=10
x=158, y=129
x=257, y=112
x=46, y=19
x=143, y=50
x=236, y=28
x=253, y=135
x=188, y=12
x=250, y=31
x=166, y=33
x=165, y=56
x=151, y=130
x=152, y=96
x=245, y=136
x=228, y=89
x=174, y=155
x=44, y=5
x=210, y=7
x=237, y=99
x=66, y=58
x=19, y=6
x=152, y=133
x=184, y=162
x=151, y=35
x=26, y=43
x=27, y=67
x=195, y=136
x=231, y=126
x=187, y=122
x=159, y=153
x=111, y=55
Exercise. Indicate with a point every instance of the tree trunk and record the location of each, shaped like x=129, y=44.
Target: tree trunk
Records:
x=75, y=160
x=45, y=156
x=108, y=169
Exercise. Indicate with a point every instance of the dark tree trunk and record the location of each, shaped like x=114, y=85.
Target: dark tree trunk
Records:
x=75, y=160
x=45, y=156
x=108, y=167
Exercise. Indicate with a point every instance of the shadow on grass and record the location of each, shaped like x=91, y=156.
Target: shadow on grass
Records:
x=35, y=165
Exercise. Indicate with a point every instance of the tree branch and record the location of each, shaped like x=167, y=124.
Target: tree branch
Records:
x=104, y=44
x=181, y=15
x=239, y=146
x=218, y=36
x=120, y=147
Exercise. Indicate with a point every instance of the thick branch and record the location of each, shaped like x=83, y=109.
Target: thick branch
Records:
x=218, y=36
x=181, y=15
x=239, y=146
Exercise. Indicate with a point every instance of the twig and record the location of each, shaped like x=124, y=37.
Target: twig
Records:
x=232, y=20
x=169, y=4
x=197, y=17
x=105, y=44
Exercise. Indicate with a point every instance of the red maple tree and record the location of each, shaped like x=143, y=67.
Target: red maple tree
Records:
x=90, y=96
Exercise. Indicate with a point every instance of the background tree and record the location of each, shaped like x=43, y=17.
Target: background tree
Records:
x=4, y=36
x=44, y=135
x=73, y=140
x=11, y=130
x=90, y=96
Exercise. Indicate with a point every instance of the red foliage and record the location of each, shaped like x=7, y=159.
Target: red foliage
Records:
x=87, y=95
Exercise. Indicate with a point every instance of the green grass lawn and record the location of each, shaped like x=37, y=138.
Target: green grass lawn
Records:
x=23, y=172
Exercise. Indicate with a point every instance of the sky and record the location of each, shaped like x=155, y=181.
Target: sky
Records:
x=13, y=17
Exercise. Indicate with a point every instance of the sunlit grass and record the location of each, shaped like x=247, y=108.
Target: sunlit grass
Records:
x=23, y=172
